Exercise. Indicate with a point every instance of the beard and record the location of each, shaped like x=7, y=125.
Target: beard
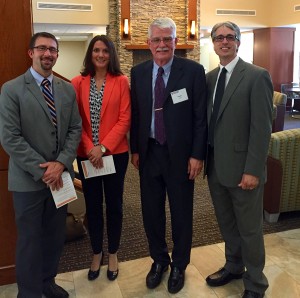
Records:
x=47, y=64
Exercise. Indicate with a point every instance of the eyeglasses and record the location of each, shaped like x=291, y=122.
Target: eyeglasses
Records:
x=228, y=37
x=165, y=40
x=44, y=49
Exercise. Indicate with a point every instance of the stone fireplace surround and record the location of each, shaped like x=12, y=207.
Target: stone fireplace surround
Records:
x=133, y=51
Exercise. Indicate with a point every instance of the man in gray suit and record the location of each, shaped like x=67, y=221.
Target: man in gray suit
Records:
x=240, y=123
x=41, y=145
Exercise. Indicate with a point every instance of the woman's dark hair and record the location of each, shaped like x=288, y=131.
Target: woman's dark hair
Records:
x=114, y=63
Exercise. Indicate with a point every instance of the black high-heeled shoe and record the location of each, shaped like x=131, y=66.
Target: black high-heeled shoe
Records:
x=111, y=275
x=92, y=275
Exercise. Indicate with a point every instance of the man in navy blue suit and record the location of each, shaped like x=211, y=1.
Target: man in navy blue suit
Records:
x=169, y=157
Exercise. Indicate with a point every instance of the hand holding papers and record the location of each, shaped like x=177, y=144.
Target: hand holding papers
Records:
x=90, y=171
x=67, y=193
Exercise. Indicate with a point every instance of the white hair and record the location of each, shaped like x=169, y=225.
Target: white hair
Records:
x=163, y=23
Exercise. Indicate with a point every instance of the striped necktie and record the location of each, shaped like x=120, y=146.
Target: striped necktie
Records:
x=49, y=99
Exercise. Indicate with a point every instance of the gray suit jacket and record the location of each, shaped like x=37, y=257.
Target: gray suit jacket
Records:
x=28, y=135
x=244, y=123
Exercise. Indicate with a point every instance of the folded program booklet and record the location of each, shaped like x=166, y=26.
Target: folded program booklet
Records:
x=90, y=171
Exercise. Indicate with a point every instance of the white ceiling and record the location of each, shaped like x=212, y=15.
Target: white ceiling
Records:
x=70, y=32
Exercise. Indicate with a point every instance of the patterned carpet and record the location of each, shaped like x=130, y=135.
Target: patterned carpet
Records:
x=77, y=254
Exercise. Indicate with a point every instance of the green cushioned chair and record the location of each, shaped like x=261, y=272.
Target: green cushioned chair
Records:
x=279, y=106
x=282, y=190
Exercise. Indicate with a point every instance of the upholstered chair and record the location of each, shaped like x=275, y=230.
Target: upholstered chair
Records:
x=279, y=106
x=282, y=189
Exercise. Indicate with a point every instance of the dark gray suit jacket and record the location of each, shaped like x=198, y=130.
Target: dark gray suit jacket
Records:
x=244, y=123
x=185, y=122
x=28, y=135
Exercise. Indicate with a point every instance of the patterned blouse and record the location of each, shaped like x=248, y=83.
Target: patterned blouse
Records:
x=95, y=109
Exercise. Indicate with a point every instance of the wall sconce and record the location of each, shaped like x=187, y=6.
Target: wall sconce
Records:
x=193, y=29
x=125, y=28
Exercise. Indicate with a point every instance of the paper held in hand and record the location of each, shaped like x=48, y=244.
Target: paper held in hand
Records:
x=67, y=193
x=90, y=171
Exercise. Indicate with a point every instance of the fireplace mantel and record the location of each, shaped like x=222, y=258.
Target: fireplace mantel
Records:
x=146, y=47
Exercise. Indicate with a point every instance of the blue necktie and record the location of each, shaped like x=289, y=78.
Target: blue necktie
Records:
x=217, y=102
x=159, y=90
x=49, y=99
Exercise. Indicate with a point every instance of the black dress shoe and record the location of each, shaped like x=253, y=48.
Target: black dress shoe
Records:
x=155, y=274
x=92, y=275
x=176, y=280
x=222, y=277
x=251, y=294
x=52, y=290
x=112, y=275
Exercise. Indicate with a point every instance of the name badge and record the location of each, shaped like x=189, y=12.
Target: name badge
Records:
x=179, y=95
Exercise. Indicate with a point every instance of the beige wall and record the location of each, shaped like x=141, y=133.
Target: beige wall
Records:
x=269, y=13
x=71, y=55
x=98, y=16
x=209, y=18
x=283, y=12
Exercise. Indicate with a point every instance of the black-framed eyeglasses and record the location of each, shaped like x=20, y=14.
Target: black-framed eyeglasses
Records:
x=228, y=37
x=165, y=40
x=44, y=49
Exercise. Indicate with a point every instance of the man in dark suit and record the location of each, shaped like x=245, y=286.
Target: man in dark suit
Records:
x=240, y=123
x=41, y=145
x=169, y=154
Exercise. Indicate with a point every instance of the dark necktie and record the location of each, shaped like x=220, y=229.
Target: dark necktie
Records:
x=216, y=107
x=159, y=90
x=49, y=99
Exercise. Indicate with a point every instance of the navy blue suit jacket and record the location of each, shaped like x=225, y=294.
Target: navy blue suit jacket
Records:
x=185, y=122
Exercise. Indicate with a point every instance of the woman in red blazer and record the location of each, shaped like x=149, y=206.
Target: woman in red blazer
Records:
x=103, y=99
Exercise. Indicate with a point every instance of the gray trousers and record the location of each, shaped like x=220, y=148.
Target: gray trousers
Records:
x=240, y=218
x=41, y=235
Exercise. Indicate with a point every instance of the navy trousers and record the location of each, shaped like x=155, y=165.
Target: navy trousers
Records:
x=111, y=188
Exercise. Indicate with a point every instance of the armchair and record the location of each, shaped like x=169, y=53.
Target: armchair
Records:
x=279, y=105
x=282, y=190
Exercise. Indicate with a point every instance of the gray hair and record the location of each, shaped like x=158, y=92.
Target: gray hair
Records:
x=229, y=25
x=163, y=23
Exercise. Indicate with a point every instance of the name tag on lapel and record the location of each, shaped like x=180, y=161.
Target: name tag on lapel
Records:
x=179, y=95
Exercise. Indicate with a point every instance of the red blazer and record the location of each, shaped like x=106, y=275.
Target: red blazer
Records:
x=115, y=114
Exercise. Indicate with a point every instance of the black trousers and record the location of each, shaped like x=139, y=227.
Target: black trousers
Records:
x=41, y=235
x=156, y=181
x=113, y=187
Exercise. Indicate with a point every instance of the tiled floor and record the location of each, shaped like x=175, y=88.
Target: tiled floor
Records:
x=282, y=269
